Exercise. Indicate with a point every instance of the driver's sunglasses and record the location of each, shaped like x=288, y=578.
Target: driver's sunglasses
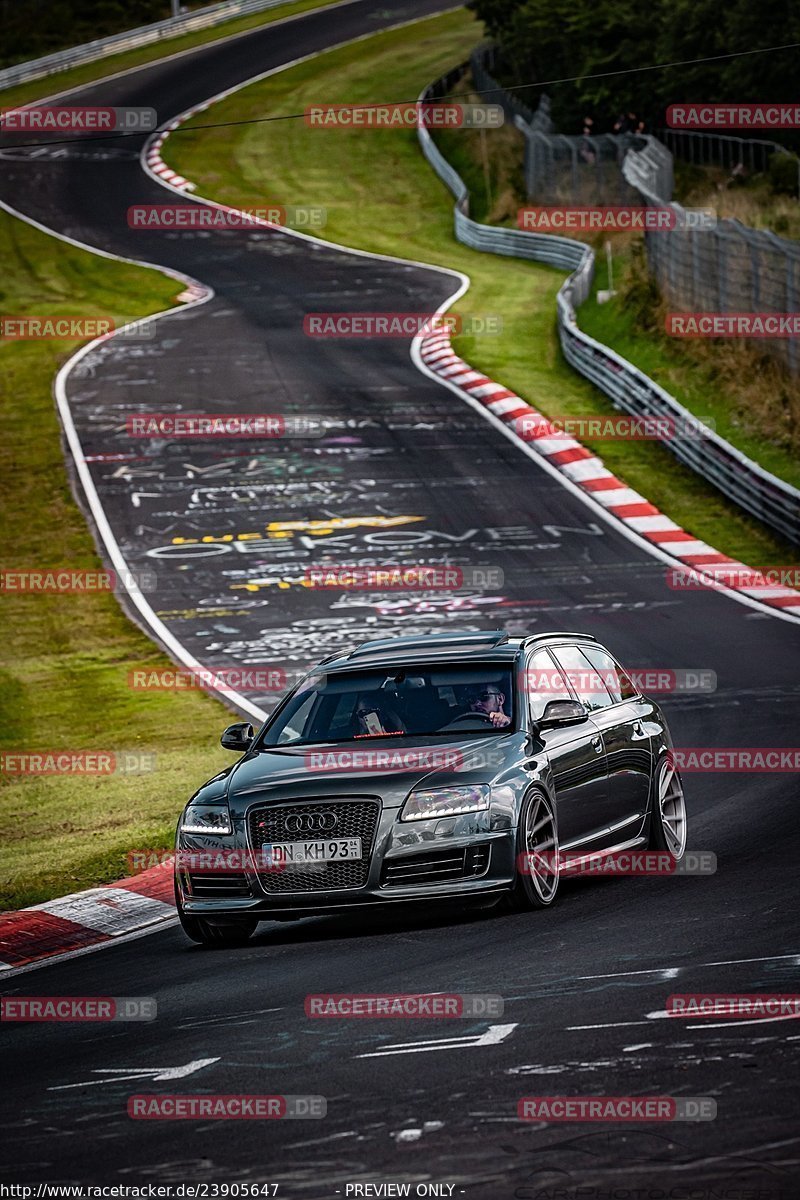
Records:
x=491, y=696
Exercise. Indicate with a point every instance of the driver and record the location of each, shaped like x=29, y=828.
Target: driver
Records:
x=489, y=700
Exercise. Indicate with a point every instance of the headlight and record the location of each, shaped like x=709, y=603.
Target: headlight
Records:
x=206, y=818
x=445, y=802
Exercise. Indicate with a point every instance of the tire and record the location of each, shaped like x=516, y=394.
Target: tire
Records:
x=668, y=825
x=537, y=831
x=234, y=931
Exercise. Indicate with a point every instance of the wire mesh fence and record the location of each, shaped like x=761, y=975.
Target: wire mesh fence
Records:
x=559, y=168
x=482, y=63
x=729, y=269
x=719, y=149
x=563, y=169
x=757, y=491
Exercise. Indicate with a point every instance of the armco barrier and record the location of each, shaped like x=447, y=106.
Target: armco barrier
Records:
x=481, y=63
x=772, y=500
x=145, y=35
x=730, y=268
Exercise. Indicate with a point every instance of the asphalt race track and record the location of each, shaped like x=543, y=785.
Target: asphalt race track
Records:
x=404, y=472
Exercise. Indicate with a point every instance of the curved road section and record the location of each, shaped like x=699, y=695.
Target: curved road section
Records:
x=396, y=471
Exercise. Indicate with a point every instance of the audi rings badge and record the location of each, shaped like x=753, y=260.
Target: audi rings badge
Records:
x=318, y=822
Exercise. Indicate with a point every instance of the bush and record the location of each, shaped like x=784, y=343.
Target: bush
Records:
x=784, y=171
x=640, y=294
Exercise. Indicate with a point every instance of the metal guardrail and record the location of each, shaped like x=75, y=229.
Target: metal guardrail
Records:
x=650, y=170
x=767, y=497
x=62, y=60
x=704, y=148
x=731, y=268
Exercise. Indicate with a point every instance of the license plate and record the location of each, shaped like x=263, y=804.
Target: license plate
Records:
x=334, y=850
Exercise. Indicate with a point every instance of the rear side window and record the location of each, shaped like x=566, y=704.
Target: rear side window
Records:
x=544, y=681
x=585, y=678
x=618, y=683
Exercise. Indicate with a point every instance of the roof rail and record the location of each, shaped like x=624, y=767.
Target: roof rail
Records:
x=486, y=640
x=328, y=658
x=571, y=633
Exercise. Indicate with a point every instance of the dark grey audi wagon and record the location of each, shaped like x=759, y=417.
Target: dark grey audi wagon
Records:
x=467, y=766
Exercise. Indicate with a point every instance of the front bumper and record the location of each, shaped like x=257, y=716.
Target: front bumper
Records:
x=462, y=857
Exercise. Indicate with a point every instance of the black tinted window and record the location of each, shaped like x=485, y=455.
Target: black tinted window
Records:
x=397, y=702
x=544, y=681
x=584, y=677
x=613, y=676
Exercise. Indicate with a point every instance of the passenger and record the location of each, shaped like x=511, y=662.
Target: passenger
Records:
x=371, y=719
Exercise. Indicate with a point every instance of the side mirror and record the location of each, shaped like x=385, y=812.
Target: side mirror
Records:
x=238, y=737
x=562, y=712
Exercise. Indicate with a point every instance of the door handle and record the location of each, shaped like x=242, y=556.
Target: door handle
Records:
x=597, y=743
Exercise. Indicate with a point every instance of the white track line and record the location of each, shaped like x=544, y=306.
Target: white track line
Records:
x=104, y=529
x=155, y=62
x=151, y=154
x=145, y=610
x=112, y=548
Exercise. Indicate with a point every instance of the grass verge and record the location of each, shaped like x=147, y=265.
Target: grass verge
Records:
x=382, y=196
x=752, y=401
x=64, y=659
x=752, y=200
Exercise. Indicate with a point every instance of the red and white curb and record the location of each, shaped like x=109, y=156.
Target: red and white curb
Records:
x=89, y=919
x=586, y=471
x=156, y=163
x=580, y=466
x=86, y=919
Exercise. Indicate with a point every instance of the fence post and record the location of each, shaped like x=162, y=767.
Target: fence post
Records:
x=756, y=490
x=722, y=276
x=573, y=164
x=791, y=306
x=755, y=289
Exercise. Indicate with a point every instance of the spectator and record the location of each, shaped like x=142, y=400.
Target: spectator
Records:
x=586, y=148
x=737, y=175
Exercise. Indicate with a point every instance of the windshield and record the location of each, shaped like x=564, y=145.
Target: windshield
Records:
x=396, y=702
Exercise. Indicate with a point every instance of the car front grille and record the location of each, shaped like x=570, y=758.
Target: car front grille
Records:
x=354, y=818
x=442, y=866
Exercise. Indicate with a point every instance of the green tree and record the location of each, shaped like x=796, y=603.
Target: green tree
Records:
x=603, y=48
